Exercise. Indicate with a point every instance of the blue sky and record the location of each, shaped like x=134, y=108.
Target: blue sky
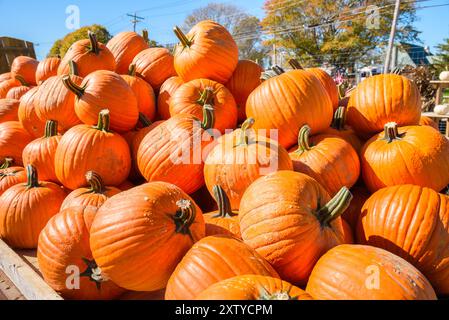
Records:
x=42, y=22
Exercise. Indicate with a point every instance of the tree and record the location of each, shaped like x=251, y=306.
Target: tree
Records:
x=338, y=32
x=442, y=56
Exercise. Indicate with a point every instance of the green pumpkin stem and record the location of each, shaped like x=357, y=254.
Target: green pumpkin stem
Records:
x=339, y=120
x=73, y=68
x=132, y=70
x=304, y=139
x=72, y=86
x=206, y=97
x=295, y=64
x=94, y=48
x=51, y=129
x=32, y=177
x=22, y=81
x=8, y=162
x=184, y=217
x=144, y=120
x=392, y=132
x=335, y=207
x=182, y=37
x=103, y=120
x=95, y=182
x=208, y=117
x=145, y=36
x=243, y=139
x=224, y=205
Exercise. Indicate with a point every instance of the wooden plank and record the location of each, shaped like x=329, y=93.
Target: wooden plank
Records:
x=24, y=277
x=8, y=290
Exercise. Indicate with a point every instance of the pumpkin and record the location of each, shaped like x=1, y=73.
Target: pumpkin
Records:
x=287, y=102
x=41, y=152
x=105, y=89
x=411, y=222
x=155, y=65
x=409, y=155
x=27, y=114
x=426, y=121
x=13, y=139
x=10, y=176
x=26, y=208
x=47, y=68
x=63, y=247
x=125, y=46
x=240, y=158
x=136, y=229
x=253, y=287
x=17, y=92
x=208, y=51
x=357, y=272
x=173, y=152
x=85, y=148
x=330, y=160
x=213, y=259
x=5, y=76
x=351, y=215
x=146, y=99
x=95, y=195
x=192, y=97
x=441, y=109
x=244, y=80
x=25, y=67
x=381, y=99
x=289, y=219
x=89, y=56
x=167, y=90
x=224, y=220
x=9, y=109
x=7, y=85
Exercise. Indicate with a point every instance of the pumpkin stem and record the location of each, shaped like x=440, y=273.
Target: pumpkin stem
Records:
x=272, y=72
x=207, y=96
x=144, y=120
x=243, y=139
x=280, y=295
x=51, y=129
x=145, y=36
x=224, y=205
x=338, y=122
x=304, y=139
x=21, y=80
x=8, y=162
x=32, y=177
x=184, y=217
x=73, y=68
x=295, y=64
x=72, y=86
x=93, y=42
x=208, y=117
x=95, y=181
x=103, y=120
x=392, y=132
x=132, y=70
x=335, y=207
x=93, y=272
x=182, y=37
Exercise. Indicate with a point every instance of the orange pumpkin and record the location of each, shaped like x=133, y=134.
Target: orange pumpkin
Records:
x=290, y=220
x=5, y=76
x=47, y=68
x=208, y=51
x=7, y=85
x=167, y=90
x=125, y=46
x=351, y=215
x=63, y=246
x=9, y=109
x=137, y=228
x=13, y=139
x=426, y=121
x=213, y=259
x=355, y=272
x=10, y=176
x=18, y=92
x=26, y=208
x=27, y=114
x=25, y=67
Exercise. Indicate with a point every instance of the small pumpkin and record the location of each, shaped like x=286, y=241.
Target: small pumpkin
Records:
x=9, y=110
x=426, y=121
x=47, y=68
x=25, y=67
x=13, y=139
x=167, y=90
x=10, y=175
x=27, y=114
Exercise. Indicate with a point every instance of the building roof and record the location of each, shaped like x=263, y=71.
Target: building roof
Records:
x=418, y=54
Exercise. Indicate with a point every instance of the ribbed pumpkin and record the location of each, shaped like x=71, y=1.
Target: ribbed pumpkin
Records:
x=94, y=195
x=411, y=222
x=63, y=246
x=7, y=85
x=146, y=99
x=25, y=67
x=5, y=76
x=253, y=287
x=244, y=80
x=134, y=231
x=27, y=114
x=125, y=46
x=10, y=175
x=330, y=160
x=426, y=121
x=208, y=51
x=356, y=272
x=213, y=259
x=86, y=148
x=9, y=109
x=289, y=101
x=167, y=90
x=408, y=155
x=105, y=90
x=47, y=68
x=41, y=152
x=290, y=220
x=382, y=99
x=155, y=65
x=173, y=152
x=13, y=139
x=351, y=215
x=224, y=220
x=240, y=158
x=26, y=208
x=192, y=97
x=89, y=56
x=19, y=91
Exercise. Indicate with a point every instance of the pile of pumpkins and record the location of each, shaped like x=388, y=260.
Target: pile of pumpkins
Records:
x=282, y=192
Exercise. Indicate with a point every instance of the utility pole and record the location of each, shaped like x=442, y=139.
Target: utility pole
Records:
x=392, y=35
x=136, y=19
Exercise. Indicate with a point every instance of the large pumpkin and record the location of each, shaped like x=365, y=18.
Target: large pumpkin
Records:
x=381, y=99
x=213, y=259
x=25, y=67
x=27, y=114
x=253, y=287
x=65, y=259
x=287, y=102
x=86, y=148
x=208, y=51
x=47, y=68
x=9, y=109
x=26, y=208
x=240, y=158
x=192, y=97
x=356, y=272
x=290, y=220
x=244, y=80
x=330, y=160
x=105, y=90
x=13, y=139
x=140, y=235
x=409, y=155
x=411, y=222
x=167, y=91
x=10, y=175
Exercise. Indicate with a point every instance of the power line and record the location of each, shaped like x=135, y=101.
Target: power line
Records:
x=136, y=19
